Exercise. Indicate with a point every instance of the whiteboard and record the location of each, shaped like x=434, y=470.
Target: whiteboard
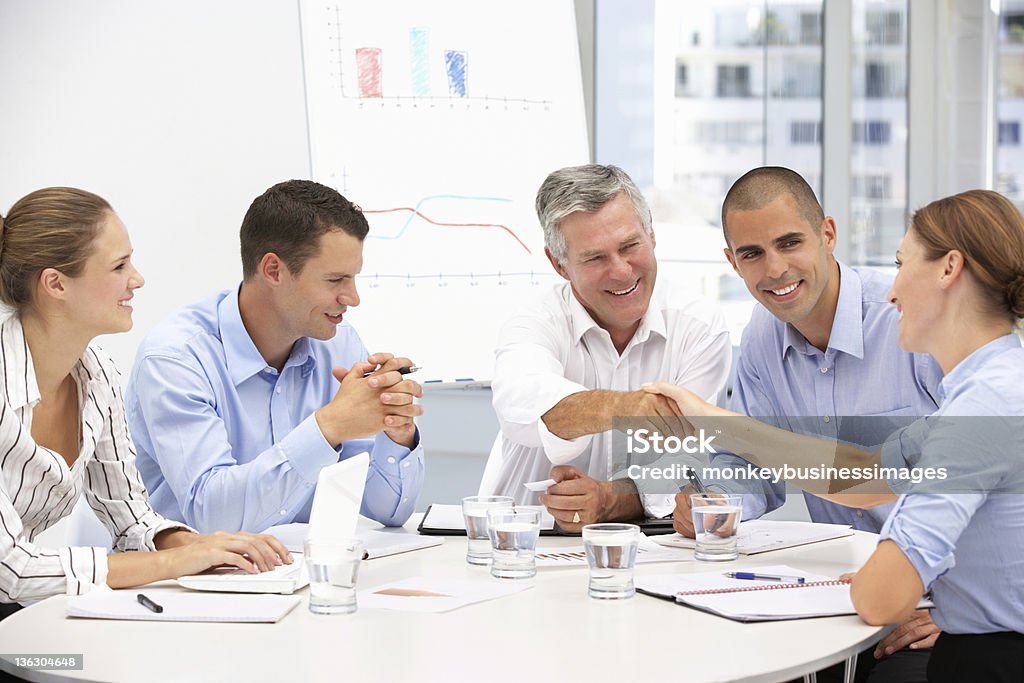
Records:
x=441, y=120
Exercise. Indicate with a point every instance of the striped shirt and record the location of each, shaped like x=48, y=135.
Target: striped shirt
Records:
x=37, y=488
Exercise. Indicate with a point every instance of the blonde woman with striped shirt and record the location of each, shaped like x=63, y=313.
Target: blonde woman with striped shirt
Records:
x=66, y=271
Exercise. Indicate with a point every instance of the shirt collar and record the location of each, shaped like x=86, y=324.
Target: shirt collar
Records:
x=970, y=366
x=653, y=321
x=847, y=333
x=19, y=371
x=242, y=357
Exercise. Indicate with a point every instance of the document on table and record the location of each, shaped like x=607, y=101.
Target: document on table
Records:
x=103, y=603
x=447, y=520
x=743, y=600
x=762, y=535
x=378, y=540
x=647, y=552
x=420, y=594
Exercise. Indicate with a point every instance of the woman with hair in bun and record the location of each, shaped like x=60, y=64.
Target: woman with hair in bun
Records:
x=960, y=293
x=66, y=271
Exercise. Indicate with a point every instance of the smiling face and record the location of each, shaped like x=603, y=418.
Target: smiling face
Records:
x=313, y=302
x=787, y=264
x=917, y=295
x=610, y=264
x=99, y=297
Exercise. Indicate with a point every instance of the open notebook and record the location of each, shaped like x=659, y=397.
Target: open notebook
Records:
x=446, y=520
x=744, y=600
x=762, y=535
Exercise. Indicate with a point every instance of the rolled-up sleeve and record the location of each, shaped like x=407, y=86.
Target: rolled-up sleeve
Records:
x=529, y=381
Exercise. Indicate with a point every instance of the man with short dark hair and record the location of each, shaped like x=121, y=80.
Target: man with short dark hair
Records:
x=819, y=352
x=238, y=401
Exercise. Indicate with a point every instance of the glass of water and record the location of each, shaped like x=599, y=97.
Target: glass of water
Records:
x=333, y=567
x=474, y=512
x=611, y=554
x=513, y=533
x=716, y=521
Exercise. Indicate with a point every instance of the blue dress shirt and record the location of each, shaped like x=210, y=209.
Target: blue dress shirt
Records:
x=968, y=547
x=225, y=442
x=783, y=379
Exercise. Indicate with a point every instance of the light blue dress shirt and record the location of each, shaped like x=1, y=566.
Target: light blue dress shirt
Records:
x=225, y=442
x=968, y=547
x=783, y=379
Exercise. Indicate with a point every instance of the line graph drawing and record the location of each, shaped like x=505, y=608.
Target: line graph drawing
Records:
x=414, y=212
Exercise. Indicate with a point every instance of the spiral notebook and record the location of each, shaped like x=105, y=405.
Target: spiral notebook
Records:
x=743, y=600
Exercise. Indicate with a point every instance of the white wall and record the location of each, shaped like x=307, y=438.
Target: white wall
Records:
x=178, y=113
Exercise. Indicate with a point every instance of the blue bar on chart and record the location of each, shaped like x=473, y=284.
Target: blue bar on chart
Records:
x=456, y=64
x=419, y=45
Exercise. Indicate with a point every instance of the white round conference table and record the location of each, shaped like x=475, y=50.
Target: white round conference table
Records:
x=553, y=631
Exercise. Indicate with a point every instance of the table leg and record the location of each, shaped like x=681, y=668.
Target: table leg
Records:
x=851, y=669
x=811, y=677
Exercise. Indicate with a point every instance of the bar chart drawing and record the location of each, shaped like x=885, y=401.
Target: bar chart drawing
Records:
x=376, y=66
x=441, y=120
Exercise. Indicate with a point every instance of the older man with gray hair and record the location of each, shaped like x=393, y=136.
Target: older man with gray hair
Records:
x=577, y=357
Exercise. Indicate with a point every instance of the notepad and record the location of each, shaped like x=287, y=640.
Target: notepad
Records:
x=762, y=535
x=741, y=600
x=123, y=604
x=378, y=542
x=446, y=520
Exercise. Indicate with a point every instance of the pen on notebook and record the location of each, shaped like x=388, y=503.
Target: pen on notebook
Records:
x=408, y=369
x=751, y=576
x=149, y=604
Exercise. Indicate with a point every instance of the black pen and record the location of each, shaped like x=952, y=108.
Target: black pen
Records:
x=149, y=604
x=691, y=474
x=408, y=369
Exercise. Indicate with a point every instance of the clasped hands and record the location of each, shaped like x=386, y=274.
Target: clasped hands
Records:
x=367, y=404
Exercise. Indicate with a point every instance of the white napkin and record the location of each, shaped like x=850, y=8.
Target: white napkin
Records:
x=339, y=493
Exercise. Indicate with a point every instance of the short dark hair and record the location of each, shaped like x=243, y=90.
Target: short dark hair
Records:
x=288, y=220
x=761, y=186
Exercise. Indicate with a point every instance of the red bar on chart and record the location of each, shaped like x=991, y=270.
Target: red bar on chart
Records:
x=368, y=63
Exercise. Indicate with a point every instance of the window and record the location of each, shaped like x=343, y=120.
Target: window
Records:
x=883, y=79
x=805, y=133
x=682, y=79
x=884, y=28
x=872, y=132
x=872, y=186
x=810, y=28
x=1009, y=133
x=733, y=81
x=1013, y=27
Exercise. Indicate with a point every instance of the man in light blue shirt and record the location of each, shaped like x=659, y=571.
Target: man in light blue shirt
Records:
x=236, y=403
x=820, y=350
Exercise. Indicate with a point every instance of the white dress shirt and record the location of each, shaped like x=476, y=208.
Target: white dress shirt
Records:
x=37, y=488
x=555, y=349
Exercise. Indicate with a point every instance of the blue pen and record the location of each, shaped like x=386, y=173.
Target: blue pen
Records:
x=751, y=576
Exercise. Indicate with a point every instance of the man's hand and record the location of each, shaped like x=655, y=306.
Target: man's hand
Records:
x=399, y=392
x=917, y=633
x=682, y=516
x=576, y=499
x=364, y=406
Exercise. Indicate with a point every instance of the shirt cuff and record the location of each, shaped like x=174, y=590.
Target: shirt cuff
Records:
x=658, y=505
x=392, y=458
x=558, y=450
x=307, y=450
x=85, y=568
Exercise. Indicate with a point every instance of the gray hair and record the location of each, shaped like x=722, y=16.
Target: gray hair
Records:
x=583, y=188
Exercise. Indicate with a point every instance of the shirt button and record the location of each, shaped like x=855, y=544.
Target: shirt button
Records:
x=405, y=500
x=278, y=390
x=284, y=512
x=827, y=418
x=860, y=513
x=823, y=370
x=405, y=464
x=391, y=460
